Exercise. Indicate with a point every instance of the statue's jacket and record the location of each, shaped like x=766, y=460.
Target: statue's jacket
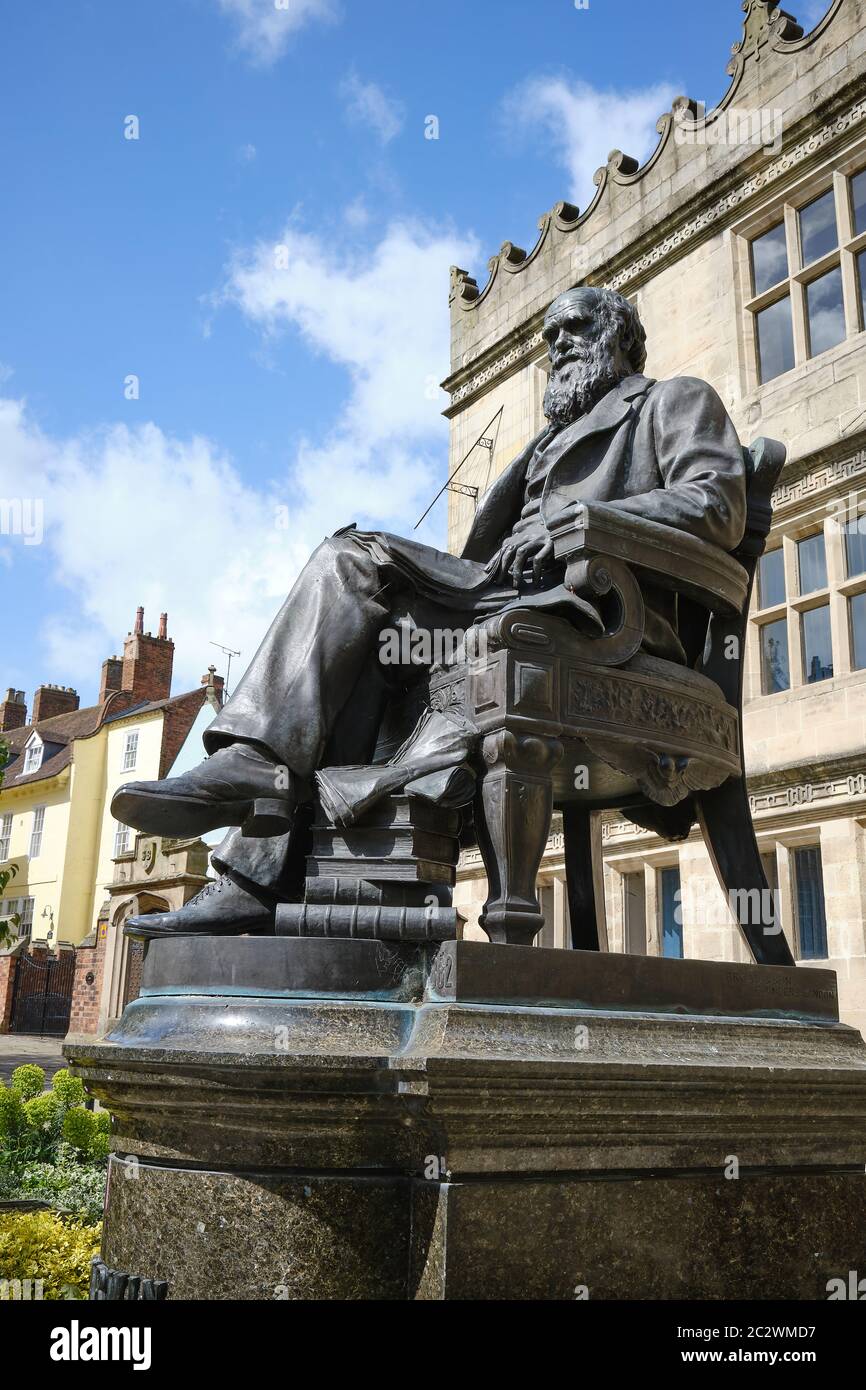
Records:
x=665, y=450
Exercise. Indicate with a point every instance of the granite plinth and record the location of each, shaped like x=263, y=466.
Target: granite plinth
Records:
x=270, y=1144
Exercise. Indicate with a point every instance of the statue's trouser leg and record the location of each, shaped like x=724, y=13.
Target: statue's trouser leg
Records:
x=268, y=862
x=310, y=661
x=314, y=691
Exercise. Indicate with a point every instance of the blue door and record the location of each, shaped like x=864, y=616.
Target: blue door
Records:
x=672, y=916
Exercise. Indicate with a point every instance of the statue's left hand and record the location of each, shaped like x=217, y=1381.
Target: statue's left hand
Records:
x=518, y=554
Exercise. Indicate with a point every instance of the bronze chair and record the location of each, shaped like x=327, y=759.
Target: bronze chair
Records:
x=585, y=724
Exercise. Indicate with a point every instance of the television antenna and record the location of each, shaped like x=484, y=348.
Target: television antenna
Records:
x=228, y=652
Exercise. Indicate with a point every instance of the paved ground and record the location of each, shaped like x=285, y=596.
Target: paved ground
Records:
x=17, y=1048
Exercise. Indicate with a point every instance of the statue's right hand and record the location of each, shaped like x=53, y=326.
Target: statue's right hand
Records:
x=573, y=517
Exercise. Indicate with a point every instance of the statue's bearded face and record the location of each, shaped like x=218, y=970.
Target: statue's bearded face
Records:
x=586, y=360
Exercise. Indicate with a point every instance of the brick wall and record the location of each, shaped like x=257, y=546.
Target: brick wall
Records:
x=87, y=987
x=180, y=716
x=13, y=711
x=53, y=699
x=7, y=985
x=111, y=678
x=147, y=665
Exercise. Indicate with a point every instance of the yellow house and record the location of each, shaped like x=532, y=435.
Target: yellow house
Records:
x=64, y=764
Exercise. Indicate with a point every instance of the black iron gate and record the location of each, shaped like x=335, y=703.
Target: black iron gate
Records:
x=42, y=998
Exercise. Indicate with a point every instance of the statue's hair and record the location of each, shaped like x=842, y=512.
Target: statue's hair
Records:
x=618, y=319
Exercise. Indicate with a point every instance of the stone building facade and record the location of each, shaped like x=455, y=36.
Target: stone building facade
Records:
x=152, y=875
x=742, y=242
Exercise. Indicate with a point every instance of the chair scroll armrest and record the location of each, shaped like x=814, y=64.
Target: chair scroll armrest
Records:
x=668, y=557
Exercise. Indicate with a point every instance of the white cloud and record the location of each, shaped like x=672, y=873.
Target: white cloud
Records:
x=247, y=153
x=135, y=515
x=357, y=214
x=265, y=27
x=370, y=105
x=582, y=124
x=383, y=314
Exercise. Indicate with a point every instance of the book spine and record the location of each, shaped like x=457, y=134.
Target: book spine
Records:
x=368, y=923
x=362, y=892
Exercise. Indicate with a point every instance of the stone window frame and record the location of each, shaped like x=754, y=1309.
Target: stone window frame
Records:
x=785, y=207
x=554, y=883
x=840, y=588
x=639, y=871
x=648, y=860
x=783, y=843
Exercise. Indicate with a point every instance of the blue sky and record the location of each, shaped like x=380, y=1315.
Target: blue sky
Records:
x=281, y=393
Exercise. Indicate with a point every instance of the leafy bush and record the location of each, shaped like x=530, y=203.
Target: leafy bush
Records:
x=43, y=1117
x=69, y=1088
x=28, y=1080
x=55, y=1249
x=72, y=1186
x=11, y=1114
x=79, y=1128
x=51, y=1147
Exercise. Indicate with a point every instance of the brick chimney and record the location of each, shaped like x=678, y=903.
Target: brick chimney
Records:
x=53, y=699
x=147, y=661
x=13, y=711
x=112, y=677
x=214, y=694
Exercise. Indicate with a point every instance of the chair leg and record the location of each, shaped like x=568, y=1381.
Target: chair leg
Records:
x=726, y=822
x=579, y=881
x=513, y=810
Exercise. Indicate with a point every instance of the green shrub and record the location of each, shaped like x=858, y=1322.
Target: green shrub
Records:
x=100, y=1146
x=55, y=1249
x=42, y=1112
x=43, y=1116
x=28, y=1080
x=74, y=1186
x=12, y=1119
x=69, y=1088
x=51, y=1146
x=79, y=1127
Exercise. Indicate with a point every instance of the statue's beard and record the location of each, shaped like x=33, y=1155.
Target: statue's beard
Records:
x=576, y=386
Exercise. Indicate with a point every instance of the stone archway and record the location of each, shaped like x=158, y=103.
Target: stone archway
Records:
x=132, y=952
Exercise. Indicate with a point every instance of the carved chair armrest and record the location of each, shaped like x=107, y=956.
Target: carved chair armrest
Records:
x=668, y=557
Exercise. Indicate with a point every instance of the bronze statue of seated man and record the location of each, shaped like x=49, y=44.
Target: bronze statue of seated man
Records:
x=315, y=692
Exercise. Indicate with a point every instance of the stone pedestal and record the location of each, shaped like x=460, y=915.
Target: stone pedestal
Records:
x=316, y=1119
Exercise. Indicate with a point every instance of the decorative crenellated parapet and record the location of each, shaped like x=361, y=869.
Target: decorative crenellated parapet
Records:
x=765, y=25
x=707, y=169
x=583, y=246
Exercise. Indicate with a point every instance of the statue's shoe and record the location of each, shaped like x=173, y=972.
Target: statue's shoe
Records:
x=221, y=908
x=235, y=786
